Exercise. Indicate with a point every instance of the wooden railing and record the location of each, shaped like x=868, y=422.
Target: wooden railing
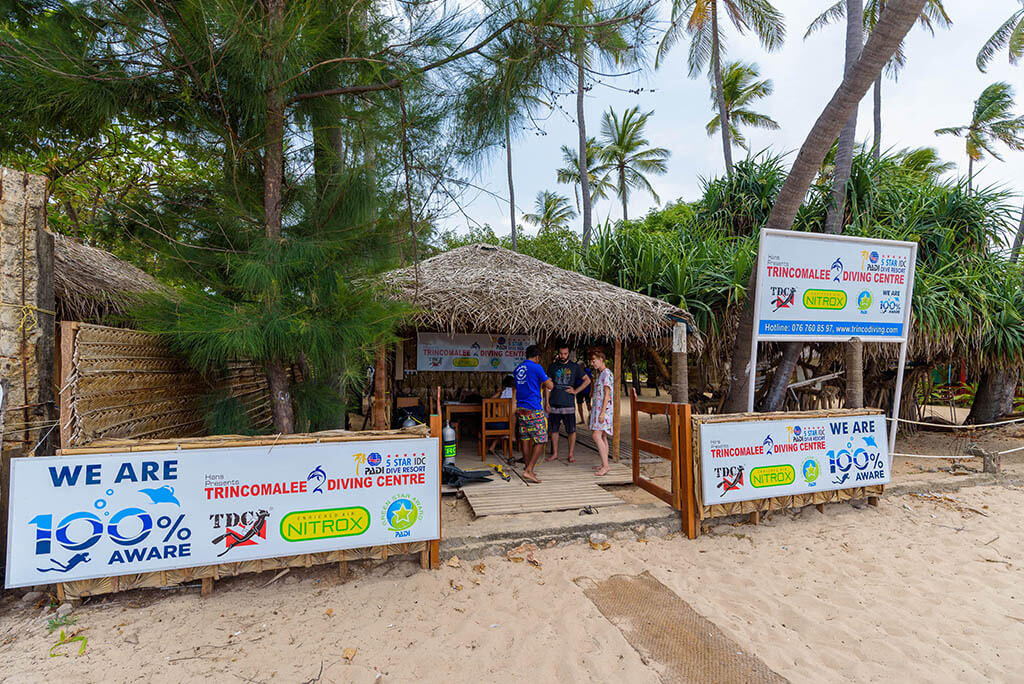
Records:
x=678, y=453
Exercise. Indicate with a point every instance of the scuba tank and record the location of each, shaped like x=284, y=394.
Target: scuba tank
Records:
x=448, y=445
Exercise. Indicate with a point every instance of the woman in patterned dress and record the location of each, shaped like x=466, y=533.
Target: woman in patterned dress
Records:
x=601, y=412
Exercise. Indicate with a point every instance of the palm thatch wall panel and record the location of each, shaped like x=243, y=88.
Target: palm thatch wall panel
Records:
x=487, y=289
x=779, y=502
x=129, y=384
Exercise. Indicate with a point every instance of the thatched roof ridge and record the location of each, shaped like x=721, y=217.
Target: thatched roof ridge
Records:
x=485, y=288
x=90, y=283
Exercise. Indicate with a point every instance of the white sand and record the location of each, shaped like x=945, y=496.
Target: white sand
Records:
x=886, y=594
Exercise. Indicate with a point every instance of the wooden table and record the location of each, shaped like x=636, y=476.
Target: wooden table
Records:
x=457, y=407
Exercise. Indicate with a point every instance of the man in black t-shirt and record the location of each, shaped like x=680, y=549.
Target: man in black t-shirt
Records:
x=569, y=379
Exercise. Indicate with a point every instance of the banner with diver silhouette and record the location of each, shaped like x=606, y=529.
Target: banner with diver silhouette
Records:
x=101, y=515
x=470, y=352
x=812, y=286
x=742, y=460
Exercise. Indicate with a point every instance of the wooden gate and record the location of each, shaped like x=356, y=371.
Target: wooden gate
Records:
x=681, y=494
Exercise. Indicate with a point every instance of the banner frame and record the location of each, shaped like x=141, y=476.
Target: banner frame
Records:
x=902, y=340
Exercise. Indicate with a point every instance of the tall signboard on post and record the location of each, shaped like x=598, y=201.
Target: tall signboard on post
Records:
x=816, y=287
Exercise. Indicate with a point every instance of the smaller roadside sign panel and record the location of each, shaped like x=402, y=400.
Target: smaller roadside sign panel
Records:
x=820, y=287
x=470, y=352
x=101, y=515
x=760, y=459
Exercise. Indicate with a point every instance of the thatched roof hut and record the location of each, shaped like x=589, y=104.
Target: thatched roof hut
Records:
x=483, y=288
x=90, y=284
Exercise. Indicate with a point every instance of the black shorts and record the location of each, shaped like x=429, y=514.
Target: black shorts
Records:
x=566, y=419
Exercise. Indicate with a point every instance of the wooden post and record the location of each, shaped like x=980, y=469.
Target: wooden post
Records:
x=680, y=377
x=434, y=547
x=399, y=361
x=380, y=380
x=617, y=410
x=68, y=333
x=207, y=587
x=688, y=492
x=633, y=416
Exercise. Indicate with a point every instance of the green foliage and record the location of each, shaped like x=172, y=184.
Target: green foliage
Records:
x=741, y=89
x=992, y=120
x=552, y=212
x=627, y=159
x=225, y=415
x=55, y=623
x=1009, y=36
x=318, y=406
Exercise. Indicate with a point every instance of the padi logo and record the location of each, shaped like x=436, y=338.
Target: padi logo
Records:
x=873, y=258
x=782, y=297
x=400, y=513
x=810, y=471
x=864, y=301
x=799, y=433
x=373, y=459
x=732, y=478
x=864, y=465
x=836, y=270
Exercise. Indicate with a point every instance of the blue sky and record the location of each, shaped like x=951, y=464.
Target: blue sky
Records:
x=937, y=88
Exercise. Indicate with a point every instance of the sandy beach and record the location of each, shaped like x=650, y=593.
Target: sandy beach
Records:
x=917, y=589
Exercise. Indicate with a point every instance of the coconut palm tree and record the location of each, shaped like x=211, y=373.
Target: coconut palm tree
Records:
x=991, y=121
x=890, y=31
x=699, y=19
x=569, y=174
x=932, y=14
x=626, y=155
x=742, y=86
x=1009, y=35
x=552, y=211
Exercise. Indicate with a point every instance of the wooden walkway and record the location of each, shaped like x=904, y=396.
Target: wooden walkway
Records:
x=563, y=487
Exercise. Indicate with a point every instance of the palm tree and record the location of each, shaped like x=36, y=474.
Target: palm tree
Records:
x=1010, y=34
x=626, y=155
x=569, y=174
x=699, y=19
x=553, y=211
x=992, y=121
x=890, y=31
x=932, y=14
x=742, y=88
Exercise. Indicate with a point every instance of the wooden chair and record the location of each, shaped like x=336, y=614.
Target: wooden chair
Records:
x=497, y=411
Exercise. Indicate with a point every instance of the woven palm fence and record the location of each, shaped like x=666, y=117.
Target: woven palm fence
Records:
x=120, y=383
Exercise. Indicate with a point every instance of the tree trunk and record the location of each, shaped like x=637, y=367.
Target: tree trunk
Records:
x=273, y=180
x=898, y=18
x=876, y=145
x=511, y=187
x=834, y=220
x=622, y=193
x=280, y=398
x=584, y=170
x=637, y=385
x=776, y=396
x=970, y=174
x=716, y=66
x=855, y=373
x=1018, y=239
x=986, y=407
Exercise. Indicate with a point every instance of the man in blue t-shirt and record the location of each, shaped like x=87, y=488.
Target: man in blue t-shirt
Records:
x=533, y=421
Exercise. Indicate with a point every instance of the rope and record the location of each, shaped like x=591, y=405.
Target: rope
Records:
x=956, y=427
x=42, y=439
x=28, y=315
x=955, y=458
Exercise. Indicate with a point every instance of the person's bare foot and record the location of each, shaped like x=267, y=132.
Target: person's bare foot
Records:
x=552, y=457
x=530, y=477
x=602, y=471
x=572, y=459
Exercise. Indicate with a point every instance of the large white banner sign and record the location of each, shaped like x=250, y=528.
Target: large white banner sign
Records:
x=760, y=459
x=80, y=517
x=495, y=353
x=820, y=287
